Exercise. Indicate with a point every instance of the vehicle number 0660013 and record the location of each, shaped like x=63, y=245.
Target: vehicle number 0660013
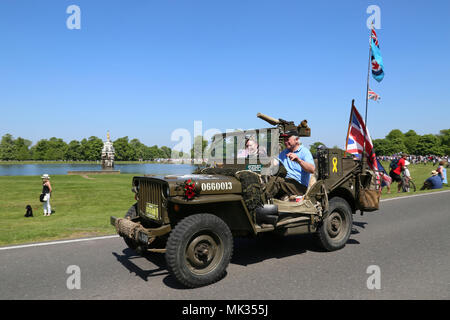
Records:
x=212, y=186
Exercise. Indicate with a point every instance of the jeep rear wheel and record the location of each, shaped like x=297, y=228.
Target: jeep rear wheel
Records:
x=336, y=226
x=199, y=250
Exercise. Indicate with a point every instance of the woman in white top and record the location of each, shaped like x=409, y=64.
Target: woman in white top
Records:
x=47, y=190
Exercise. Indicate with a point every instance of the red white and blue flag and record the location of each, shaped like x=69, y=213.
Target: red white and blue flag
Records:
x=377, y=60
x=356, y=139
x=386, y=178
x=372, y=95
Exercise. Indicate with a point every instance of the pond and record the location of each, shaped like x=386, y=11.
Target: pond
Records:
x=52, y=169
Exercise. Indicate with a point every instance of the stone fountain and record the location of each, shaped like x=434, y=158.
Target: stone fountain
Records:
x=108, y=154
x=107, y=160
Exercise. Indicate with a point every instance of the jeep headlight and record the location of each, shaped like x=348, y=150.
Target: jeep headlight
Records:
x=166, y=191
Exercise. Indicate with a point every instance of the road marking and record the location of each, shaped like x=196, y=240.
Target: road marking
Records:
x=416, y=195
x=57, y=242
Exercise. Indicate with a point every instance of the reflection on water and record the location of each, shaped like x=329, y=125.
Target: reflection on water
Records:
x=145, y=168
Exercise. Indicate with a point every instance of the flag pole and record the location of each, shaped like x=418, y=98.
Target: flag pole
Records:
x=367, y=100
x=349, y=124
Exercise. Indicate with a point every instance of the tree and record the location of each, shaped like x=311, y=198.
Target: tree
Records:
x=139, y=149
x=411, y=141
x=429, y=144
x=39, y=150
x=395, y=134
x=22, y=149
x=57, y=149
x=91, y=149
x=73, y=151
x=167, y=152
x=444, y=139
x=7, y=148
x=385, y=147
x=153, y=152
x=124, y=152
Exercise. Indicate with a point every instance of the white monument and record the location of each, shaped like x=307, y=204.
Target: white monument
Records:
x=108, y=154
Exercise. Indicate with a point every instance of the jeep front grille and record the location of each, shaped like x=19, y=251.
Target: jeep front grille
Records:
x=151, y=192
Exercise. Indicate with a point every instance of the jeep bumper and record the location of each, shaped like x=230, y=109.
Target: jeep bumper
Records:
x=136, y=232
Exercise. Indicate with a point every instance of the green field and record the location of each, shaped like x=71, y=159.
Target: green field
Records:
x=83, y=205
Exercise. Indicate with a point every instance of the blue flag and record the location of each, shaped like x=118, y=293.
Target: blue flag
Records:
x=377, y=60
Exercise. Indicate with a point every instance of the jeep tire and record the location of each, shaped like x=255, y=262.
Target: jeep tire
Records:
x=336, y=226
x=199, y=250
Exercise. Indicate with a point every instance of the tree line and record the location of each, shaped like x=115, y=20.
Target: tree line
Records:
x=133, y=150
x=409, y=142
x=412, y=143
x=89, y=149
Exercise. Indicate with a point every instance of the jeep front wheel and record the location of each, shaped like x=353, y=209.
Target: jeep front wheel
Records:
x=336, y=226
x=199, y=250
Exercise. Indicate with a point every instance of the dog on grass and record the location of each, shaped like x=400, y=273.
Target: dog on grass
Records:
x=29, y=212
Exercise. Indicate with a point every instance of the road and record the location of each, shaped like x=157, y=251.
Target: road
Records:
x=407, y=241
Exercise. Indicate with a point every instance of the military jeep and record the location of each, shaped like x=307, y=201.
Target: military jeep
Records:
x=193, y=218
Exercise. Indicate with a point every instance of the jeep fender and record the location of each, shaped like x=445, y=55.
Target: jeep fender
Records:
x=230, y=208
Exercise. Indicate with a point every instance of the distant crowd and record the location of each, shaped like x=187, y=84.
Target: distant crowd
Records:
x=399, y=172
x=414, y=159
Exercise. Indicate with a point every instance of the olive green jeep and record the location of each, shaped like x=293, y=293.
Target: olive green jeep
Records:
x=193, y=218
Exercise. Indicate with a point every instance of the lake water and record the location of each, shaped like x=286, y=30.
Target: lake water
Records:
x=52, y=169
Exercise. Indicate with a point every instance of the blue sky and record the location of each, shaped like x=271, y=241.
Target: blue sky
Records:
x=145, y=68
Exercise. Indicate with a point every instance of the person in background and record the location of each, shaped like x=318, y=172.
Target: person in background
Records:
x=395, y=173
x=433, y=182
x=384, y=183
x=442, y=172
x=406, y=176
x=47, y=190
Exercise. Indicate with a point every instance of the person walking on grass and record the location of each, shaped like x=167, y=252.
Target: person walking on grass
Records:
x=47, y=190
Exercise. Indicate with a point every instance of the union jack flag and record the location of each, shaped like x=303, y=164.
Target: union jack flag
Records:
x=355, y=139
x=374, y=37
x=372, y=95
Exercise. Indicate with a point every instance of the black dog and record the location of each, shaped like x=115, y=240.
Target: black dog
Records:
x=29, y=211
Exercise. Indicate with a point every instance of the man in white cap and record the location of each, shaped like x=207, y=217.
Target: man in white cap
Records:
x=46, y=190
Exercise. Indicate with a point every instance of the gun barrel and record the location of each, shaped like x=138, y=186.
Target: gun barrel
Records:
x=270, y=120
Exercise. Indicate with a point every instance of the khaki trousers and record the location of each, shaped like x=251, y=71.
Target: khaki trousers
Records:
x=278, y=187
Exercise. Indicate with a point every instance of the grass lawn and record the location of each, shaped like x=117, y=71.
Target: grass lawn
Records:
x=83, y=205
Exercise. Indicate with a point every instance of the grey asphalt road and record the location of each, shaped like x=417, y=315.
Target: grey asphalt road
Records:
x=408, y=240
